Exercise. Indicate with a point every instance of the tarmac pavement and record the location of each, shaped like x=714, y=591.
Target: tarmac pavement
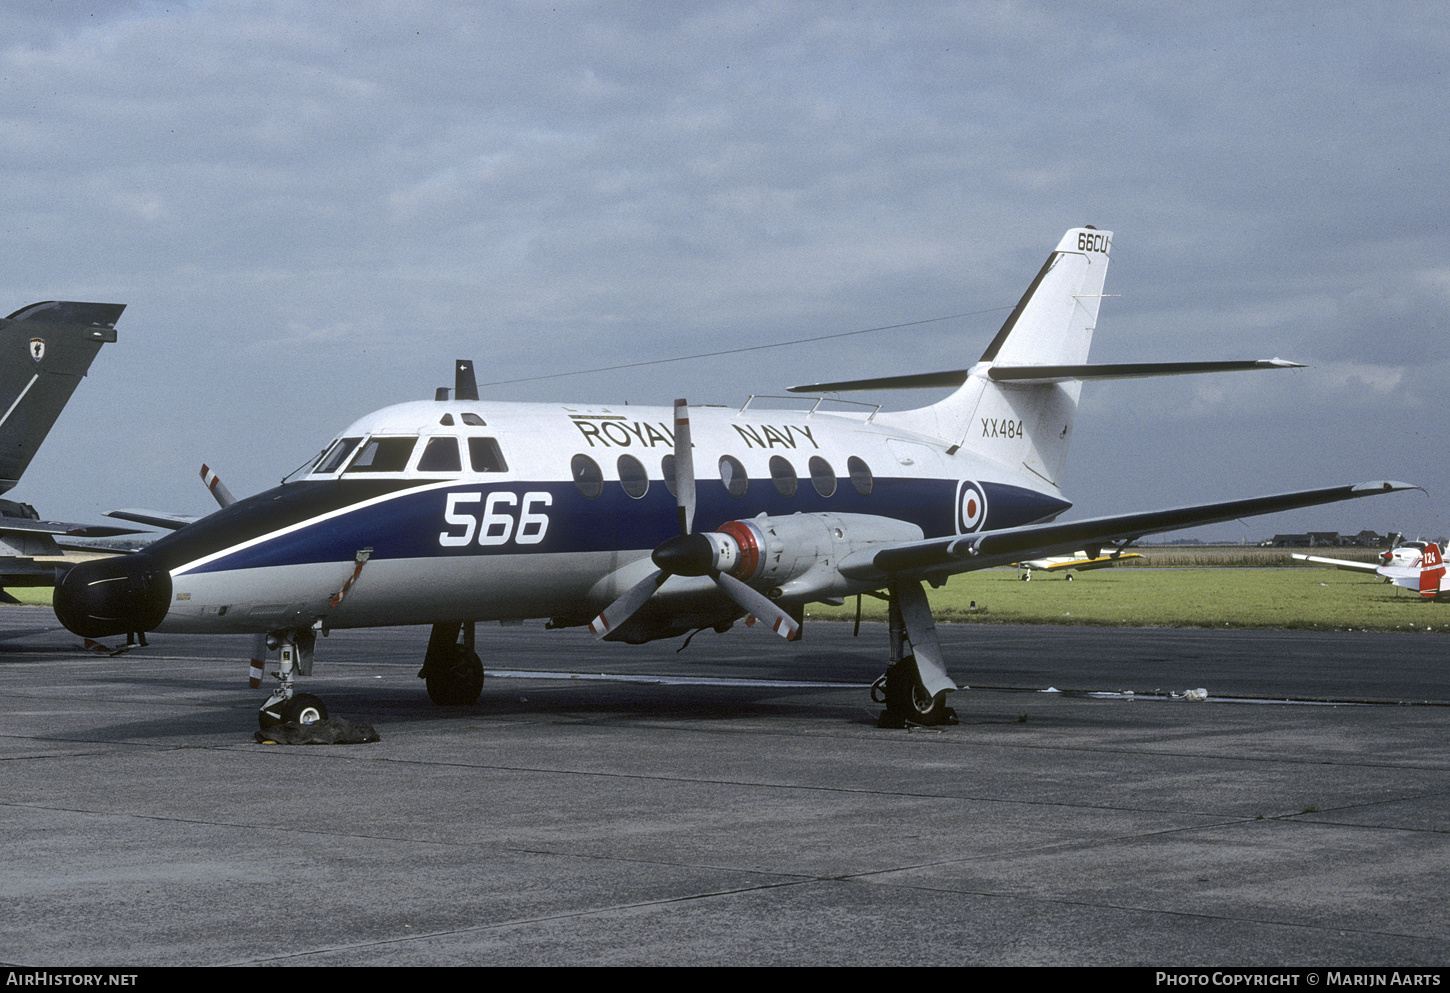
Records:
x=577, y=821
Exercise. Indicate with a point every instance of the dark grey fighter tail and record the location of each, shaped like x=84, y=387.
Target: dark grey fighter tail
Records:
x=45, y=349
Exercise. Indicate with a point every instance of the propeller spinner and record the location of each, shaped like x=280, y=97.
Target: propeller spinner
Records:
x=690, y=553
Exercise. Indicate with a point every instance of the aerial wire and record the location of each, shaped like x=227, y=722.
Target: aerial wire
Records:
x=737, y=351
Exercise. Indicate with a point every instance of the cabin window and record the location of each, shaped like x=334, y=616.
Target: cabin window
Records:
x=861, y=477
x=587, y=476
x=823, y=477
x=732, y=474
x=632, y=476
x=667, y=469
x=336, y=455
x=383, y=455
x=440, y=455
x=473, y=420
x=782, y=474
x=485, y=455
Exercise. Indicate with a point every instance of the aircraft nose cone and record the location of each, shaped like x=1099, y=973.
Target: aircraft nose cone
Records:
x=113, y=596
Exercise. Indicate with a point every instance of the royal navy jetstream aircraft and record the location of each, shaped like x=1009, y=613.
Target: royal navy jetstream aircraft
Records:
x=45, y=350
x=649, y=523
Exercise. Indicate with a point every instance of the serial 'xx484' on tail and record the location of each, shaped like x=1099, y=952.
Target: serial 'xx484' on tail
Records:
x=648, y=523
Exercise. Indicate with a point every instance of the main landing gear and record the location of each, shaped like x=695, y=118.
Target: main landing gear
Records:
x=915, y=685
x=451, y=668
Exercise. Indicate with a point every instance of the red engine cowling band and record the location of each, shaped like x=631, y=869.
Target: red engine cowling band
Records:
x=748, y=540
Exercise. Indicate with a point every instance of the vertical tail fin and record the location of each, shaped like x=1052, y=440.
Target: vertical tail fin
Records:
x=1432, y=571
x=1027, y=421
x=45, y=349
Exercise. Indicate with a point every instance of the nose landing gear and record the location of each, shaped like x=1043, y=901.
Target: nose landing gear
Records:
x=285, y=704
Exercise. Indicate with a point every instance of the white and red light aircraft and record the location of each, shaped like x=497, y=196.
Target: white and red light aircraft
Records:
x=1414, y=565
x=648, y=523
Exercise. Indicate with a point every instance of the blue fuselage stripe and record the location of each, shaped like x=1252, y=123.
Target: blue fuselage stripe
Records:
x=414, y=520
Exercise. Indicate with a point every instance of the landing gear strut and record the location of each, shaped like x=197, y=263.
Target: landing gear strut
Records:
x=451, y=668
x=285, y=704
x=915, y=686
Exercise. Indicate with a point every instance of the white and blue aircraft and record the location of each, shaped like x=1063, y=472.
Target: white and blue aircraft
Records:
x=648, y=523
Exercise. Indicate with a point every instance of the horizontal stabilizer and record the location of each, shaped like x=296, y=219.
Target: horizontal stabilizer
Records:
x=1035, y=374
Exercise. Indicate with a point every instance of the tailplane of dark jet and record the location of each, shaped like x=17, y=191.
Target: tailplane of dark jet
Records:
x=45, y=350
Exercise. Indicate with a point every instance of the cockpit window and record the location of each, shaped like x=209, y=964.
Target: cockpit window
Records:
x=472, y=419
x=441, y=455
x=485, y=455
x=336, y=455
x=383, y=455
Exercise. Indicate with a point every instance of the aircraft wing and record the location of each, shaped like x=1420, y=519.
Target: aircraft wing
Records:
x=1064, y=565
x=937, y=558
x=155, y=518
x=22, y=525
x=1339, y=563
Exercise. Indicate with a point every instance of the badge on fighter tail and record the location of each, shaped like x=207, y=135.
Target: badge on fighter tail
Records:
x=37, y=348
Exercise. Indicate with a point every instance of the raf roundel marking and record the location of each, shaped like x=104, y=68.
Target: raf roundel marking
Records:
x=971, y=507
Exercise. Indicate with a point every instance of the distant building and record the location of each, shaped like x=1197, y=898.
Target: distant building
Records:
x=1320, y=539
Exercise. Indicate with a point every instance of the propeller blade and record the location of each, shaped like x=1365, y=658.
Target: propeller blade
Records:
x=218, y=488
x=684, y=467
x=761, y=606
x=623, y=609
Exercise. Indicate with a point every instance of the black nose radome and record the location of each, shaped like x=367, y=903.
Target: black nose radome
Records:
x=113, y=596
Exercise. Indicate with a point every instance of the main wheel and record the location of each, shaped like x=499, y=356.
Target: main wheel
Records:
x=458, y=682
x=908, y=700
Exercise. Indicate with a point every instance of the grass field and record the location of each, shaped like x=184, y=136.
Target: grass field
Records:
x=1188, y=586
x=1323, y=599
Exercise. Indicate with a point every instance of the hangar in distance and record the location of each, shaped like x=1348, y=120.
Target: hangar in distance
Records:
x=647, y=523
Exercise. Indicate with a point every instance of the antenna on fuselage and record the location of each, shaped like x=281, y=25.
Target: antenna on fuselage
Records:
x=465, y=387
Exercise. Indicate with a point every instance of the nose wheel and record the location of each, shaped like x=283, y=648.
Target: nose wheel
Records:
x=301, y=708
x=285, y=705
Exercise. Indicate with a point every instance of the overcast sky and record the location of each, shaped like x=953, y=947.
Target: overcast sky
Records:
x=311, y=209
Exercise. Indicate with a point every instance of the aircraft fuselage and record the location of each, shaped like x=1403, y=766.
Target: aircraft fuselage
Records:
x=497, y=511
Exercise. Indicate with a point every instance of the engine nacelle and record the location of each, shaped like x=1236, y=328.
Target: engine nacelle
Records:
x=798, y=555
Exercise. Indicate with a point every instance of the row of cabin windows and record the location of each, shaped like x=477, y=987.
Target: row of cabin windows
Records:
x=391, y=454
x=441, y=453
x=634, y=480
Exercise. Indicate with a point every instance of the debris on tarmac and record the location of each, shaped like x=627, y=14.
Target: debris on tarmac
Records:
x=332, y=731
